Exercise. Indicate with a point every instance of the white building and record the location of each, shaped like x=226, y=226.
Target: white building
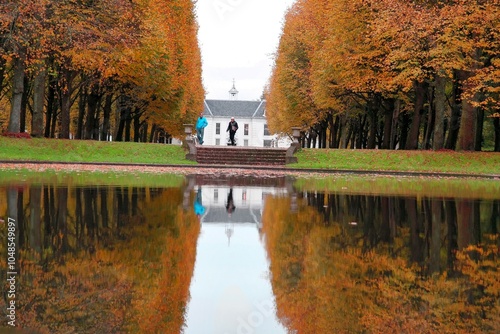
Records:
x=251, y=119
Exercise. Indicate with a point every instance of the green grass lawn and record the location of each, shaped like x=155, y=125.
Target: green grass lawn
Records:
x=418, y=161
x=36, y=149
x=369, y=160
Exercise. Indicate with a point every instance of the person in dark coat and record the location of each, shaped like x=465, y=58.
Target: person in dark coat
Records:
x=232, y=128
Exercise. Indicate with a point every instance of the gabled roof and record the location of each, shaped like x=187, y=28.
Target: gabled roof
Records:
x=238, y=109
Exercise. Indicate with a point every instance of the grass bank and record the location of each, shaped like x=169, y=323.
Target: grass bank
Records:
x=405, y=161
x=38, y=149
x=142, y=153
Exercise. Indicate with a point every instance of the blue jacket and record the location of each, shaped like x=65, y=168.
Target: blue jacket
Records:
x=201, y=123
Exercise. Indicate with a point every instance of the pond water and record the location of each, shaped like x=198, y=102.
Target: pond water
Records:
x=246, y=254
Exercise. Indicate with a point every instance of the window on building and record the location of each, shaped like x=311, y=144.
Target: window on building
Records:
x=268, y=143
x=245, y=142
x=266, y=130
x=217, y=128
x=246, y=130
x=217, y=141
x=216, y=195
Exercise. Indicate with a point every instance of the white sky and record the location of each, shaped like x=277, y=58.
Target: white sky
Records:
x=238, y=39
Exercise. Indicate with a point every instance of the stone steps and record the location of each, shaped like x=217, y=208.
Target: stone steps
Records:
x=238, y=155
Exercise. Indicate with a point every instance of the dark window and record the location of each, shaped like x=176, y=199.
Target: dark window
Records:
x=266, y=130
x=217, y=128
x=268, y=143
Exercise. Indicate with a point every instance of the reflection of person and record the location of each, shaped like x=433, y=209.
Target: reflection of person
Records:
x=230, y=203
x=199, y=209
x=232, y=128
x=201, y=124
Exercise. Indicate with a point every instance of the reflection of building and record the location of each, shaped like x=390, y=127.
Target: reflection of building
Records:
x=249, y=203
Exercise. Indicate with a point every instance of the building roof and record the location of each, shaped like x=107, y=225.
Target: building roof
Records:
x=238, y=109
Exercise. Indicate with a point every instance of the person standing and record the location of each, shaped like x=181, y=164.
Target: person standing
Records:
x=201, y=124
x=232, y=128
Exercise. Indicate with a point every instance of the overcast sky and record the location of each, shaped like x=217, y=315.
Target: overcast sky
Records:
x=238, y=39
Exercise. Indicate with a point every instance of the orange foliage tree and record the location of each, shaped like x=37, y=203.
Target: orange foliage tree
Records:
x=85, y=58
x=397, y=74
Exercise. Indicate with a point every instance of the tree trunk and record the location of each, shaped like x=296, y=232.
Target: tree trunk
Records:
x=128, y=125
x=456, y=112
x=82, y=102
x=153, y=131
x=420, y=90
x=479, y=129
x=38, y=102
x=405, y=125
x=137, y=126
x=440, y=107
x=24, y=104
x=496, y=125
x=51, y=97
x=123, y=112
x=106, y=116
x=394, y=126
x=388, y=124
x=66, y=90
x=431, y=120
x=372, y=114
x=17, y=95
x=468, y=122
x=92, y=101
x=3, y=63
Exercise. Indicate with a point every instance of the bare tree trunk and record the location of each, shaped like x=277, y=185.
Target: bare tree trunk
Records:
x=38, y=102
x=66, y=90
x=431, y=120
x=388, y=122
x=3, y=62
x=82, y=102
x=468, y=121
x=372, y=114
x=153, y=132
x=440, y=107
x=107, y=113
x=496, y=125
x=17, y=95
x=479, y=129
x=51, y=105
x=92, y=101
x=24, y=104
x=413, y=135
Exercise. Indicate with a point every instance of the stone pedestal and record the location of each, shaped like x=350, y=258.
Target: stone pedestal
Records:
x=188, y=143
x=294, y=147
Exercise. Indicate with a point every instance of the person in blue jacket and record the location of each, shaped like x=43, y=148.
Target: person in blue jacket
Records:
x=201, y=124
x=199, y=209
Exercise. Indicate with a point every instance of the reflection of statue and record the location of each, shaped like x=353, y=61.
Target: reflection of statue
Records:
x=230, y=203
x=199, y=209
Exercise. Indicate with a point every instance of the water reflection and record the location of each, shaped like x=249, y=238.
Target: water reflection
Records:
x=242, y=254
x=231, y=291
x=346, y=263
x=100, y=259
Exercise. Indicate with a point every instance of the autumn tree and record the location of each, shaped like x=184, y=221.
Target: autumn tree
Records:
x=87, y=58
x=399, y=74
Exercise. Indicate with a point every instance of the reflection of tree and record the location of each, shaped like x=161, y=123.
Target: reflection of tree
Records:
x=137, y=277
x=326, y=280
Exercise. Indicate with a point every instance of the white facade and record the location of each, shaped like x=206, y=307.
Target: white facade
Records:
x=250, y=132
x=251, y=119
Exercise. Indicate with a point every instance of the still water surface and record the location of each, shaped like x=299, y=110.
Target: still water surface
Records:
x=249, y=255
